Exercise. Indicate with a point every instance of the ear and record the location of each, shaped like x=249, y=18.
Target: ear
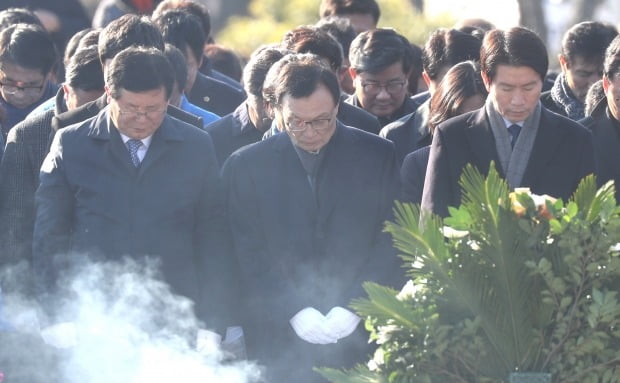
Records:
x=107, y=93
x=606, y=83
x=486, y=80
x=427, y=79
x=66, y=90
x=563, y=62
x=352, y=73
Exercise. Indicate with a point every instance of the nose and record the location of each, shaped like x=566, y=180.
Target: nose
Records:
x=518, y=98
x=383, y=94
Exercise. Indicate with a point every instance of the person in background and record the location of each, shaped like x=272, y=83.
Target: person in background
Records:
x=224, y=60
x=364, y=14
x=529, y=145
x=184, y=30
x=27, y=59
x=110, y=10
x=443, y=49
x=604, y=120
x=595, y=94
x=249, y=122
x=202, y=13
x=27, y=146
x=460, y=91
x=177, y=98
x=581, y=60
x=381, y=62
x=340, y=28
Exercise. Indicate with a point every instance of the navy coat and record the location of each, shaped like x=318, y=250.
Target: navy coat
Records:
x=297, y=248
x=91, y=199
x=562, y=155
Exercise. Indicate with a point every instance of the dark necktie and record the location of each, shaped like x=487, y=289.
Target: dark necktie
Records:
x=133, y=145
x=514, y=130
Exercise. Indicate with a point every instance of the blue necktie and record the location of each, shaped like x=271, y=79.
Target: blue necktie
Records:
x=133, y=145
x=514, y=130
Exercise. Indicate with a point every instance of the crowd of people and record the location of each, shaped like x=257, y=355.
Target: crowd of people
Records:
x=262, y=189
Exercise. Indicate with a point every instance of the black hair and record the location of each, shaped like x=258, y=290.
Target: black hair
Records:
x=517, y=46
x=84, y=70
x=139, y=69
x=178, y=63
x=28, y=46
x=350, y=7
x=255, y=71
x=588, y=40
x=339, y=28
x=12, y=16
x=183, y=30
x=447, y=47
x=127, y=31
x=309, y=39
x=196, y=9
x=374, y=50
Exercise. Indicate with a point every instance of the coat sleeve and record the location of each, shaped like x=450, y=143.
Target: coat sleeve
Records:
x=53, y=218
x=437, y=192
x=16, y=199
x=412, y=175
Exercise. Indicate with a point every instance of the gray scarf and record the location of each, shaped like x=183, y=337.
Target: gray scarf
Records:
x=563, y=96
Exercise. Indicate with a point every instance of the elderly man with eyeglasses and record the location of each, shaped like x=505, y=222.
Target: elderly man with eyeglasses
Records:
x=306, y=209
x=27, y=59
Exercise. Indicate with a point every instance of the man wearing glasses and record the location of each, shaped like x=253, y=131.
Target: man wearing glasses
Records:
x=306, y=209
x=27, y=58
x=131, y=181
x=381, y=61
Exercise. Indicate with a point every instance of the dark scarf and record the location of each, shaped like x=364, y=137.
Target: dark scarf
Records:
x=563, y=96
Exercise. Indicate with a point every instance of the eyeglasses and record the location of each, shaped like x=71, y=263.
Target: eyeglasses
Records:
x=149, y=114
x=297, y=126
x=391, y=87
x=27, y=90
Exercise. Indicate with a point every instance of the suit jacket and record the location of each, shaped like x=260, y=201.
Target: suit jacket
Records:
x=409, y=133
x=606, y=137
x=561, y=156
x=356, y=117
x=215, y=96
x=296, y=248
x=93, y=200
x=412, y=174
x=27, y=146
x=233, y=132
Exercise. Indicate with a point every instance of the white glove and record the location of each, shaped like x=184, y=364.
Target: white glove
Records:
x=313, y=327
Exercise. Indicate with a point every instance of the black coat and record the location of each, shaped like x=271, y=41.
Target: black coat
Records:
x=562, y=155
x=297, y=249
x=606, y=138
x=215, y=96
x=412, y=175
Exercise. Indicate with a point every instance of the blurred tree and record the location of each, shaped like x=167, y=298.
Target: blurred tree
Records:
x=268, y=20
x=584, y=10
x=532, y=16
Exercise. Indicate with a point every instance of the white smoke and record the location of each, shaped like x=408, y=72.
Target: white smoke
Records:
x=121, y=323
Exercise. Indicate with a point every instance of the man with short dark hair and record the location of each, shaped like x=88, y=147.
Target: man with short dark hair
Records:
x=581, y=60
x=27, y=59
x=249, y=122
x=27, y=146
x=364, y=14
x=131, y=181
x=381, y=61
x=530, y=146
x=443, y=49
x=183, y=30
x=306, y=209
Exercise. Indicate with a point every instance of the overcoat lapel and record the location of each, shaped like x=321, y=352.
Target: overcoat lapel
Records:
x=548, y=139
x=480, y=139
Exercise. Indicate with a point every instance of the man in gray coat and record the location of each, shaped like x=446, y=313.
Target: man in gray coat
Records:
x=131, y=181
